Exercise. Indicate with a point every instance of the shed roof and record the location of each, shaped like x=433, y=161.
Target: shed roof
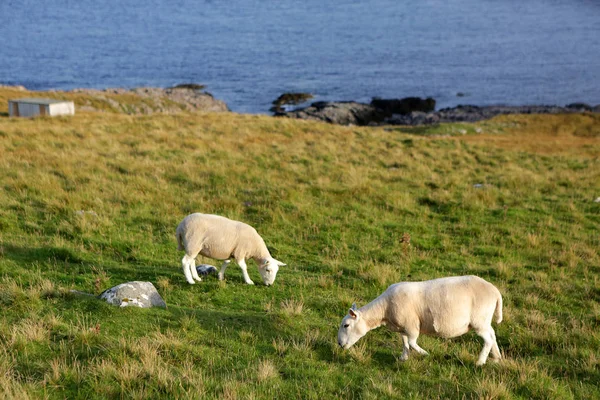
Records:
x=33, y=100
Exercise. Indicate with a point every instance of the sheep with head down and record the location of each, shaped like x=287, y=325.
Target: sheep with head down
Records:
x=445, y=307
x=224, y=239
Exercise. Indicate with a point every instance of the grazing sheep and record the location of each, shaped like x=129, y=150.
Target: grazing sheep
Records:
x=445, y=307
x=222, y=239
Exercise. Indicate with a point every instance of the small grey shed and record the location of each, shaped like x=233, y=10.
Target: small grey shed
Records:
x=32, y=107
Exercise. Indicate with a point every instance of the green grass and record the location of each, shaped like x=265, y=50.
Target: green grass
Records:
x=332, y=202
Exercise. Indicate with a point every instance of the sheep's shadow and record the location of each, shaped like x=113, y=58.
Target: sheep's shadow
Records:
x=220, y=321
x=40, y=254
x=66, y=265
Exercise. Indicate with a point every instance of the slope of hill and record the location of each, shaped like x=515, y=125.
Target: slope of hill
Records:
x=350, y=210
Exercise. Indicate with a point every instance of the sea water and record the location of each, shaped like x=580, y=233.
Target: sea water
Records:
x=248, y=52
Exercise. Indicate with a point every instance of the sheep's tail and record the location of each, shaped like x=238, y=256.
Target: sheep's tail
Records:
x=179, y=241
x=498, y=310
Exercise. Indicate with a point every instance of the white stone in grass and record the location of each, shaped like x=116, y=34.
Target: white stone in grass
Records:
x=206, y=269
x=136, y=293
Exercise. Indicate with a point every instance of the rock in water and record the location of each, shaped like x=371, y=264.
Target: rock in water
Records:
x=136, y=293
x=289, y=99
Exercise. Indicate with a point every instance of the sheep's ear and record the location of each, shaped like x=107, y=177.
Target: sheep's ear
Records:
x=354, y=306
x=354, y=313
x=280, y=263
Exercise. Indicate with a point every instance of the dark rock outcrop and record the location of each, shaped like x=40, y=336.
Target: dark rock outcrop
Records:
x=396, y=112
x=404, y=106
x=342, y=113
x=473, y=114
x=289, y=99
x=193, y=86
x=579, y=106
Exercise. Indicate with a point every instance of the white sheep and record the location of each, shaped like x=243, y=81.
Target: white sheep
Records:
x=445, y=307
x=220, y=238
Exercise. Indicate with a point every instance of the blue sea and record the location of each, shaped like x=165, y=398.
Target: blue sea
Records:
x=248, y=52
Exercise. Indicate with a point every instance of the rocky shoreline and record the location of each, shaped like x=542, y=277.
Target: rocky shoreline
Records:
x=192, y=97
x=178, y=98
x=395, y=112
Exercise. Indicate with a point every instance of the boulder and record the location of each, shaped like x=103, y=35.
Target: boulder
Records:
x=206, y=269
x=341, y=113
x=193, y=86
x=136, y=293
x=289, y=99
x=414, y=118
x=404, y=106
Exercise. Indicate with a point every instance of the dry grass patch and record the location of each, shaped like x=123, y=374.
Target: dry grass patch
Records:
x=380, y=273
x=360, y=353
x=325, y=282
x=490, y=388
x=384, y=386
x=292, y=307
x=247, y=337
x=266, y=370
x=566, y=134
x=280, y=346
x=30, y=330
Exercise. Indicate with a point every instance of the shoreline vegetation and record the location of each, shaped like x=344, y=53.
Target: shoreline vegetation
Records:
x=90, y=201
x=137, y=101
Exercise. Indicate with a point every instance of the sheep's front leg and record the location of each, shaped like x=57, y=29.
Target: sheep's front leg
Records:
x=242, y=264
x=412, y=341
x=187, y=263
x=223, y=268
x=405, y=348
x=194, y=272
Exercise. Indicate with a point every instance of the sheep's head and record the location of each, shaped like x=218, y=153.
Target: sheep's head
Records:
x=352, y=328
x=268, y=270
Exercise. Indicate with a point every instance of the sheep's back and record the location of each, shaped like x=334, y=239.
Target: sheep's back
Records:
x=211, y=235
x=447, y=307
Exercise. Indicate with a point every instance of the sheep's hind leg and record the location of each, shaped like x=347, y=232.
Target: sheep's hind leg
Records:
x=223, y=268
x=187, y=263
x=496, y=356
x=488, y=343
x=405, y=348
x=242, y=264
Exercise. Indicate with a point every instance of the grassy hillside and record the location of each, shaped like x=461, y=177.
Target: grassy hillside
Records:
x=351, y=210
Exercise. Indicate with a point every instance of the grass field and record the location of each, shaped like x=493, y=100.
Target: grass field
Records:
x=350, y=210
